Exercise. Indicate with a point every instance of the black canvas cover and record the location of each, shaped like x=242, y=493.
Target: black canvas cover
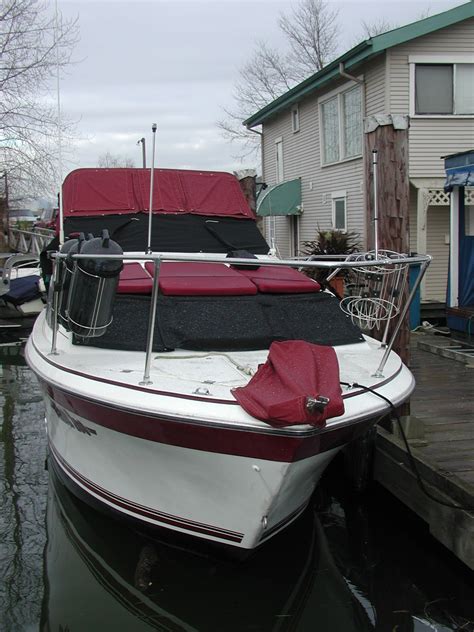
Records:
x=227, y=323
x=174, y=233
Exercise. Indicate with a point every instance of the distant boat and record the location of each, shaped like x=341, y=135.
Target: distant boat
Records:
x=22, y=291
x=205, y=386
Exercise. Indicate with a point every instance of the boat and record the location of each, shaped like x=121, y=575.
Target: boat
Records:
x=22, y=291
x=193, y=382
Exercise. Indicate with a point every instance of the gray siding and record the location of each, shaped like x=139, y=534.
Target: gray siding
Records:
x=431, y=138
x=436, y=246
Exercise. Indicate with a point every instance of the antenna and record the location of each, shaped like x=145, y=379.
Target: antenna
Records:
x=153, y=129
x=60, y=140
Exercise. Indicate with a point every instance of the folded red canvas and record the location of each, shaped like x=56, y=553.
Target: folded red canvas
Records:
x=295, y=370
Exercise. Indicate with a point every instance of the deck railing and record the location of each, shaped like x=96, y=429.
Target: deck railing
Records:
x=374, y=302
x=29, y=241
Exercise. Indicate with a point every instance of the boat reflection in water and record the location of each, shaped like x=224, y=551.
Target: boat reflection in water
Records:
x=101, y=575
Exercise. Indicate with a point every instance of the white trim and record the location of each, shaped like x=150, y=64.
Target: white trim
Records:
x=448, y=58
x=295, y=110
x=442, y=116
x=421, y=228
x=338, y=94
x=336, y=196
x=411, y=90
x=442, y=60
x=388, y=68
x=340, y=162
x=342, y=88
x=454, y=249
x=279, y=161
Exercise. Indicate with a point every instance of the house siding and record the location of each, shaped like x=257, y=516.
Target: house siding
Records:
x=436, y=246
x=302, y=158
x=431, y=138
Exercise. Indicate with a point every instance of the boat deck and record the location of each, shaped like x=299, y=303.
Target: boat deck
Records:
x=441, y=436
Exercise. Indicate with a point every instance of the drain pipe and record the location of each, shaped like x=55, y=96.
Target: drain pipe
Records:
x=345, y=74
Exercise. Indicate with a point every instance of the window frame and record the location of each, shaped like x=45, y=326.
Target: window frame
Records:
x=295, y=119
x=335, y=197
x=339, y=94
x=448, y=60
x=279, y=162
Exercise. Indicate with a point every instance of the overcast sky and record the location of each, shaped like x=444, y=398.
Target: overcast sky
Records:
x=175, y=63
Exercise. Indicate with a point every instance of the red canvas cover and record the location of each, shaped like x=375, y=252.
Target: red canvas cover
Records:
x=201, y=279
x=294, y=371
x=101, y=191
x=281, y=280
x=134, y=279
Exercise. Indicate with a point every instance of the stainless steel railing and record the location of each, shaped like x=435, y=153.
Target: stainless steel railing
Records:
x=330, y=263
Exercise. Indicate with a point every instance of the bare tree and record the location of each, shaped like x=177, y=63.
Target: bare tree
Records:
x=311, y=32
x=110, y=161
x=377, y=27
x=34, y=45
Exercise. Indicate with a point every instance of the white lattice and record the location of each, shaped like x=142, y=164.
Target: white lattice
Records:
x=438, y=197
x=469, y=197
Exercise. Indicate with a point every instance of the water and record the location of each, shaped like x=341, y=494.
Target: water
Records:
x=348, y=565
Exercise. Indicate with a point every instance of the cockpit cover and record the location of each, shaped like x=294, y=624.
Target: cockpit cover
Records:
x=124, y=191
x=295, y=370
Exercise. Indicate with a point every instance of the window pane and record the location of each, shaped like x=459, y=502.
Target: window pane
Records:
x=329, y=111
x=340, y=214
x=464, y=100
x=434, y=89
x=352, y=104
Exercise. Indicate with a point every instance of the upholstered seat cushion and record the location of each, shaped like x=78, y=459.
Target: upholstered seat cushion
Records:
x=280, y=280
x=134, y=279
x=201, y=279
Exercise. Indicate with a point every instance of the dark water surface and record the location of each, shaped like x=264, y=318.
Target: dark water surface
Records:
x=350, y=564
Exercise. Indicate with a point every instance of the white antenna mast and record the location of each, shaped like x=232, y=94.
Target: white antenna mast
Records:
x=153, y=129
x=60, y=139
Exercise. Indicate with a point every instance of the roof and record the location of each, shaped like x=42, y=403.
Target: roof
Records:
x=360, y=53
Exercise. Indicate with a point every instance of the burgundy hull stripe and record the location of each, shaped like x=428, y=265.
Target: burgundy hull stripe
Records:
x=146, y=512
x=203, y=437
x=143, y=389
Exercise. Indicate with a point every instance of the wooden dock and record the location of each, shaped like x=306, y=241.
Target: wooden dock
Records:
x=440, y=430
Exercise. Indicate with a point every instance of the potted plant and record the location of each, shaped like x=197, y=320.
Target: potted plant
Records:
x=331, y=242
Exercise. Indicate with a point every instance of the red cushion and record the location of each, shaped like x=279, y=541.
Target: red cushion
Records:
x=201, y=279
x=134, y=279
x=280, y=280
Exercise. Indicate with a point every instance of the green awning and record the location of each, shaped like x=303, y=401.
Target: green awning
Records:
x=281, y=199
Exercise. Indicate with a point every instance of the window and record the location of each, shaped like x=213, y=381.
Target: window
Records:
x=339, y=221
x=444, y=89
x=341, y=126
x=295, y=119
x=279, y=159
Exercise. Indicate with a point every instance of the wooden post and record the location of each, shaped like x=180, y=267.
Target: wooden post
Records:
x=389, y=136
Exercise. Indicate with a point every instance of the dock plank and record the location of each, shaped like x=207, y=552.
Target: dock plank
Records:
x=443, y=403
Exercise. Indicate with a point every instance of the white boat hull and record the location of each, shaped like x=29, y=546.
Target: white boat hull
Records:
x=196, y=464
